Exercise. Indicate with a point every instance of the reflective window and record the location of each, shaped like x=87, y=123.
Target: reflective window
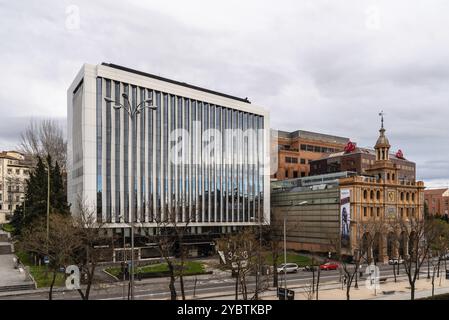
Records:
x=99, y=150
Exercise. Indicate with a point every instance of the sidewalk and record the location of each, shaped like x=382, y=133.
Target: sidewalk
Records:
x=9, y=276
x=333, y=291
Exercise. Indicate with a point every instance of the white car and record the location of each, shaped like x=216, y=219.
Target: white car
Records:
x=289, y=267
x=395, y=261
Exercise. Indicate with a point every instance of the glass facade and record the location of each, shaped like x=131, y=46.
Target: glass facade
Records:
x=216, y=176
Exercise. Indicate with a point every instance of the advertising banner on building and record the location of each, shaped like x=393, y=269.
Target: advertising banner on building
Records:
x=345, y=216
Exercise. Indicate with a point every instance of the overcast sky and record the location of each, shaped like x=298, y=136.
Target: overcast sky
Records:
x=326, y=66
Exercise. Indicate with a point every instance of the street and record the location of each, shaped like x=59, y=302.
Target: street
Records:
x=209, y=286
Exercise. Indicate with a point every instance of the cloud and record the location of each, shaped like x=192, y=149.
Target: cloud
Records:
x=323, y=66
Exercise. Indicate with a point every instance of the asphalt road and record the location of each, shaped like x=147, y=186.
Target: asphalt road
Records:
x=216, y=284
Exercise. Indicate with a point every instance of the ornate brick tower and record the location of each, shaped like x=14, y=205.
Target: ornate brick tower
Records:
x=380, y=196
x=383, y=168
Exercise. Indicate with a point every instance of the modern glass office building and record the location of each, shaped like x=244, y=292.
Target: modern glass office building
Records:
x=201, y=157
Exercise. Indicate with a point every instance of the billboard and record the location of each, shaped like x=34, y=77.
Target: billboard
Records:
x=345, y=217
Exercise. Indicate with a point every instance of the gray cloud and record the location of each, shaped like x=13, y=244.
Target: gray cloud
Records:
x=327, y=66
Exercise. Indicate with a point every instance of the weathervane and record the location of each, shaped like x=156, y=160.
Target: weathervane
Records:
x=381, y=114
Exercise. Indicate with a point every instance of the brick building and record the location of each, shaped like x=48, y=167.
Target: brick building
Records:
x=437, y=201
x=359, y=160
x=296, y=149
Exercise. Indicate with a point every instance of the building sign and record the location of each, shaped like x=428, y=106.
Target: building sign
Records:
x=345, y=216
x=390, y=212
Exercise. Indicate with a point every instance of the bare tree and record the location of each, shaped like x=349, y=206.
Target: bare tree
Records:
x=308, y=291
x=42, y=138
x=419, y=234
x=90, y=237
x=170, y=235
x=438, y=249
x=62, y=242
x=360, y=247
x=165, y=239
x=241, y=251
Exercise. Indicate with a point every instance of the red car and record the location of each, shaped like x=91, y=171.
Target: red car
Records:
x=329, y=266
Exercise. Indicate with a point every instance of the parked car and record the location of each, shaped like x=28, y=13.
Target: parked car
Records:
x=329, y=266
x=395, y=261
x=289, y=268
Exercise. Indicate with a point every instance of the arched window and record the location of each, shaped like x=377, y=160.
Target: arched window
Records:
x=402, y=196
x=365, y=194
x=371, y=211
x=378, y=212
x=388, y=176
x=378, y=195
x=371, y=195
x=364, y=211
x=393, y=177
x=413, y=196
x=407, y=196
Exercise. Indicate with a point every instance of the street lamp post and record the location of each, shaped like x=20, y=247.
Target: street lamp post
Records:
x=48, y=202
x=259, y=260
x=132, y=113
x=285, y=245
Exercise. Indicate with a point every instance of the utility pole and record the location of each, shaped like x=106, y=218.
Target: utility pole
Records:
x=48, y=203
x=132, y=113
x=285, y=245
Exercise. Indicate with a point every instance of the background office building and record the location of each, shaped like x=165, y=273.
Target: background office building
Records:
x=437, y=201
x=359, y=160
x=296, y=149
x=213, y=192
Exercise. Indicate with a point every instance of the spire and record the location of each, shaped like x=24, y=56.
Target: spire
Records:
x=382, y=145
x=381, y=114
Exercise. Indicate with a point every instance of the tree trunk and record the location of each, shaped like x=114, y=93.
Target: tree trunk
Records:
x=433, y=282
x=50, y=294
x=412, y=291
x=90, y=279
x=348, y=288
x=313, y=277
x=394, y=272
x=181, y=274
x=83, y=297
x=172, y=281
x=318, y=282
x=438, y=267
x=181, y=282
x=243, y=288
x=237, y=284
